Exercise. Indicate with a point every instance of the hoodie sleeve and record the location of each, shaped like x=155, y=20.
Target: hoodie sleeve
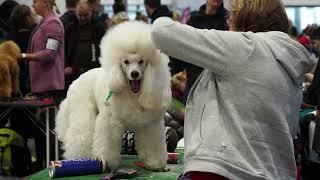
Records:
x=211, y=49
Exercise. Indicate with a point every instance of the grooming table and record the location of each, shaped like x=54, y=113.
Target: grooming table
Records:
x=11, y=103
x=126, y=162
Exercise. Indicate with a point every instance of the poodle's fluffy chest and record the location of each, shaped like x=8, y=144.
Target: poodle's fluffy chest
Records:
x=127, y=109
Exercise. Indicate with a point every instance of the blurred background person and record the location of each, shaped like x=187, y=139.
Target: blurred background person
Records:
x=22, y=22
x=293, y=31
x=176, y=16
x=211, y=15
x=96, y=8
x=70, y=15
x=98, y=13
x=119, y=13
x=118, y=6
x=118, y=18
x=82, y=40
x=46, y=52
x=141, y=17
x=5, y=11
x=155, y=9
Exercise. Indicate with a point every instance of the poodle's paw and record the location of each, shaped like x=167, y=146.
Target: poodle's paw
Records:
x=110, y=164
x=156, y=165
x=157, y=169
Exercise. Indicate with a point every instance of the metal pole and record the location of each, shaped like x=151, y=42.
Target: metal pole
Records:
x=56, y=137
x=47, y=136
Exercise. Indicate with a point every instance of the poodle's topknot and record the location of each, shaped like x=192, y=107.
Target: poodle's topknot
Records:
x=127, y=38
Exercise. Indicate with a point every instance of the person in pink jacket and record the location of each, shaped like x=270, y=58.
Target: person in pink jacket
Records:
x=46, y=52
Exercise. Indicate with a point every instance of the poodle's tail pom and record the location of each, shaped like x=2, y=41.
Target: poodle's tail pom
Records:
x=127, y=37
x=62, y=122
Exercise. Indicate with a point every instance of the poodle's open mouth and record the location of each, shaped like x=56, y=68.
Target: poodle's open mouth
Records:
x=135, y=85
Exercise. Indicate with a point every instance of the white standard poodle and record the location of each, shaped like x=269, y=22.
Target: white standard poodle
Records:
x=131, y=91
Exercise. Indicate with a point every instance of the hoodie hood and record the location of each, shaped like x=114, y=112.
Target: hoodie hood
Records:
x=291, y=55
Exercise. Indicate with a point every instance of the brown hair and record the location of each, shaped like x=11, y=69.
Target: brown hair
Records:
x=18, y=17
x=258, y=16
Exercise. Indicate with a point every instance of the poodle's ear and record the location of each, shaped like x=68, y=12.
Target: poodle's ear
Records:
x=156, y=91
x=116, y=79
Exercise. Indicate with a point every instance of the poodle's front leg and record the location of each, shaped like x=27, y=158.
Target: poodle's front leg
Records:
x=78, y=138
x=151, y=146
x=107, y=140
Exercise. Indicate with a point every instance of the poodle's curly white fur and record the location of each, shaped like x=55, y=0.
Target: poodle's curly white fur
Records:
x=138, y=76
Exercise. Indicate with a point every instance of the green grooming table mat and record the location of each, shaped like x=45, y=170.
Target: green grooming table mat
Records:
x=126, y=162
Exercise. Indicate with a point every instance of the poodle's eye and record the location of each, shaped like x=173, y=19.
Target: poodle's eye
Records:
x=126, y=62
x=141, y=62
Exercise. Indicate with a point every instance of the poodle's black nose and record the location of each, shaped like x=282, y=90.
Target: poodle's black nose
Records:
x=134, y=74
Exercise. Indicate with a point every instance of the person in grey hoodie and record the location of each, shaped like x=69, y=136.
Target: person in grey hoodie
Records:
x=242, y=111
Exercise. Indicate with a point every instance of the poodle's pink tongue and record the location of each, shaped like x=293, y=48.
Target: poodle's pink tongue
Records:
x=135, y=86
